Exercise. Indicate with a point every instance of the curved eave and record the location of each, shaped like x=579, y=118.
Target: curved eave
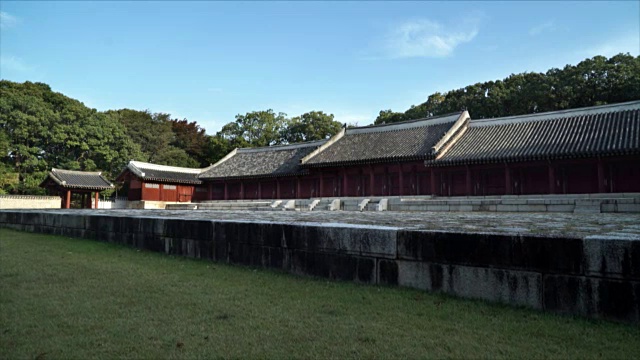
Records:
x=513, y=159
x=97, y=188
x=369, y=161
x=171, y=181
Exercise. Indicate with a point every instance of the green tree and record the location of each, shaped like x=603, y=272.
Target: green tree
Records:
x=43, y=129
x=255, y=129
x=310, y=126
x=191, y=138
x=594, y=81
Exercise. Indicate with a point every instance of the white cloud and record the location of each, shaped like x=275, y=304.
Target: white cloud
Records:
x=629, y=43
x=214, y=90
x=7, y=20
x=14, y=64
x=539, y=29
x=425, y=38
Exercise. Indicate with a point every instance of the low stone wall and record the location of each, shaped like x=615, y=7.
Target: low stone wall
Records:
x=29, y=202
x=593, y=276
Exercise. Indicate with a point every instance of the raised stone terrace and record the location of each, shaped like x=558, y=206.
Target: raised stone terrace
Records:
x=583, y=264
x=610, y=225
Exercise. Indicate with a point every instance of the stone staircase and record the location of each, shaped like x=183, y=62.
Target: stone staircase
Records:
x=577, y=203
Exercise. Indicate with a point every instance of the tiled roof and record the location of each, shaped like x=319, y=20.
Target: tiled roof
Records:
x=163, y=173
x=595, y=131
x=78, y=179
x=409, y=140
x=282, y=160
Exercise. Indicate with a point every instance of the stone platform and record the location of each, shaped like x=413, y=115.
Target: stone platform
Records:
x=584, y=264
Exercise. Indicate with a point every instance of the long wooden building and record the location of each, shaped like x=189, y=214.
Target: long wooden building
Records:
x=587, y=150
x=152, y=182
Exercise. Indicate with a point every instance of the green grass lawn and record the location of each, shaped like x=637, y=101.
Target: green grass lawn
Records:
x=71, y=298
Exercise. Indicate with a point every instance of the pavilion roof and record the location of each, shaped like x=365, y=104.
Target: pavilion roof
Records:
x=271, y=161
x=408, y=140
x=163, y=173
x=586, y=132
x=72, y=179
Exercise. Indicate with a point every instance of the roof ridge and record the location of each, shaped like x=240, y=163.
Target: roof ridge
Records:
x=150, y=166
x=284, y=146
x=76, y=171
x=551, y=115
x=404, y=125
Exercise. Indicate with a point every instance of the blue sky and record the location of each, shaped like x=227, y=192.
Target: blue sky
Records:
x=208, y=61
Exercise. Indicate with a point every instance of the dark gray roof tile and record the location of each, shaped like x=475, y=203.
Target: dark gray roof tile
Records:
x=283, y=160
x=595, y=131
x=164, y=173
x=78, y=179
x=409, y=140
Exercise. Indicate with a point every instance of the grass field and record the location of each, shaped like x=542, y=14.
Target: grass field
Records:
x=75, y=299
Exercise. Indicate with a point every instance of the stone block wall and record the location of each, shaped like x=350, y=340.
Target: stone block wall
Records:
x=594, y=277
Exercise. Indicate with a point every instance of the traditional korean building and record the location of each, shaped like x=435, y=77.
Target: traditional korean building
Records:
x=272, y=172
x=587, y=150
x=152, y=182
x=66, y=183
x=384, y=159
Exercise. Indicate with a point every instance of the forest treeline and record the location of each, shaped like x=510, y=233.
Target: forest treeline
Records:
x=41, y=129
x=595, y=81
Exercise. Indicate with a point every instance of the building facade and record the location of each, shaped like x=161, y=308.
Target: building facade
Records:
x=587, y=150
x=152, y=182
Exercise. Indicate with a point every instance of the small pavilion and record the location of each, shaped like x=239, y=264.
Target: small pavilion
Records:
x=65, y=182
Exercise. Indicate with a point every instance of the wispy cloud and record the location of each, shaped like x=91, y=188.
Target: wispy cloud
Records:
x=544, y=27
x=14, y=64
x=7, y=20
x=629, y=43
x=426, y=38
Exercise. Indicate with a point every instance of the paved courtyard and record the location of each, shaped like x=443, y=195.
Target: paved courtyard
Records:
x=609, y=225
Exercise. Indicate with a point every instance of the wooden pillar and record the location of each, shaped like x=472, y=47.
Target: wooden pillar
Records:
x=400, y=180
x=97, y=198
x=210, y=191
x=386, y=181
x=241, y=190
x=277, y=188
x=372, y=180
x=552, y=179
x=507, y=180
x=67, y=201
x=321, y=185
x=259, y=190
x=226, y=191
x=602, y=187
x=432, y=173
x=298, y=188
x=345, y=184
x=468, y=182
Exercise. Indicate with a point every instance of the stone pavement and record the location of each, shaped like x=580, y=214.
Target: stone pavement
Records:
x=568, y=225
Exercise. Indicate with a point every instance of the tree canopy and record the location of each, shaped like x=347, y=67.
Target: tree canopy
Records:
x=594, y=81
